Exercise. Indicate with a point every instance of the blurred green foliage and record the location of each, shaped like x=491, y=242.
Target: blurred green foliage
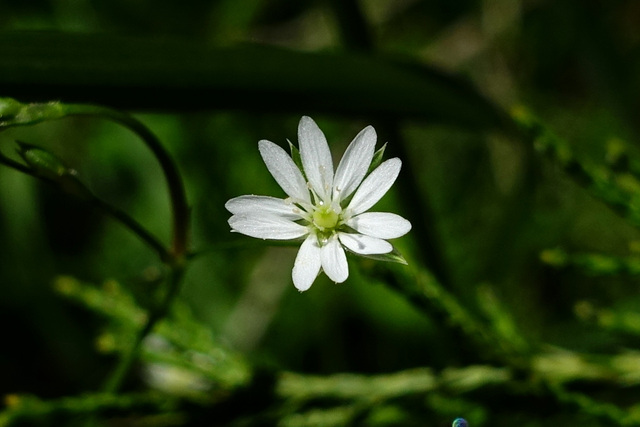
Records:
x=517, y=125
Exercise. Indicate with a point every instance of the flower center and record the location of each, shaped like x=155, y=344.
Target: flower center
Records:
x=325, y=218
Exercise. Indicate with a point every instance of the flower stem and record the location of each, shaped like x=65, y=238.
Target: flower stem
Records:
x=177, y=194
x=117, y=377
x=176, y=257
x=116, y=213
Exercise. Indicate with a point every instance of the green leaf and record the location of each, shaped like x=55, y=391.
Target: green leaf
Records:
x=393, y=256
x=177, y=75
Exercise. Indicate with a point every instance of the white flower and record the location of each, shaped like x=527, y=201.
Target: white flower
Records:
x=319, y=209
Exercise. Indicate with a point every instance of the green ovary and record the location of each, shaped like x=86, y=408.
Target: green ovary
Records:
x=325, y=218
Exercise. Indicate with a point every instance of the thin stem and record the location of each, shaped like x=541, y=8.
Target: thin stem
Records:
x=118, y=376
x=133, y=225
x=174, y=258
x=177, y=194
x=116, y=213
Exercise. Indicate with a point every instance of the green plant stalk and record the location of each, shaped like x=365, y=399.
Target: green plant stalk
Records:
x=601, y=182
x=119, y=374
x=177, y=194
x=422, y=289
x=605, y=411
x=176, y=257
x=18, y=114
x=21, y=408
x=114, y=212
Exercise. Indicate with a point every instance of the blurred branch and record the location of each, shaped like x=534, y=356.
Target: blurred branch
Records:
x=14, y=113
x=607, y=411
x=424, y=291
x=26, y=409
x=187, y=349
x=75, y=186
x=620, y=192
x=591, y=263
x=177, y=193
x=179, y=331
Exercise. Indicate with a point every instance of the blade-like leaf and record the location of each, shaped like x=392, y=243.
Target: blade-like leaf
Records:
x=393, y=256
x=183, y=75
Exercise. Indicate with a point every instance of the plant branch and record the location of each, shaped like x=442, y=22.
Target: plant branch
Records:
x=95, y=201
x=177, y=193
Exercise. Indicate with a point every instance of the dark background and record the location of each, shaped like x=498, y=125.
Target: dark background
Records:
x=485, y=206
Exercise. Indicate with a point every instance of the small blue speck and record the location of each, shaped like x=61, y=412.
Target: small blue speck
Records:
x=460, y=422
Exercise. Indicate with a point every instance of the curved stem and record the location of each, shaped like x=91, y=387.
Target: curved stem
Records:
x=133, y=225
x=177, y=194
x=175, y=257
x=116, y=213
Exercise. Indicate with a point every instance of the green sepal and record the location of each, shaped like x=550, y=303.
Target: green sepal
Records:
x=377, y=158
x=393, y=256
x=297, y=159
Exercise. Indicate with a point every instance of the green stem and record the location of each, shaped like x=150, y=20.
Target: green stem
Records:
x=134, y=226
x=175, y=257
x=177, y=194
x=117, y=377
x=177, y=254
x=116, y=213
x=28, y=410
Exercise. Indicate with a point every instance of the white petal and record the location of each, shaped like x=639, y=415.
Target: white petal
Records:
x=334, y=261
x=251, y=205
x=380, y=224
x=365, y=245
x=267, y=227
x=307, y=265
x=284, y=170
x=355, y=162
x=375, y=186
x=316, y=157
